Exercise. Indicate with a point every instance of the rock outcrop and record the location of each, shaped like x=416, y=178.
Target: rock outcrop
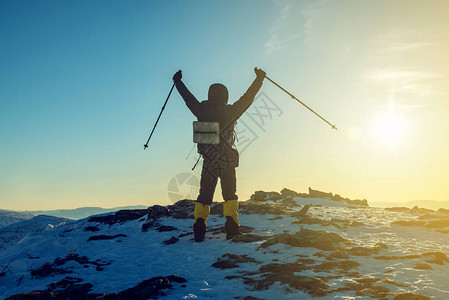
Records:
x=319, y=239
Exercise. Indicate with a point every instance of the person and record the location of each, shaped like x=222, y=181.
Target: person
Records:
x=219, y=160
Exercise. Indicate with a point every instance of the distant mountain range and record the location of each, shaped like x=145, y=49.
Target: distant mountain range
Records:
x=81, y=212
x=10, y=216
x=430, y=204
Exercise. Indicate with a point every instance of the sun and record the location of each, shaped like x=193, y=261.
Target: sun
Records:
x=389, y=128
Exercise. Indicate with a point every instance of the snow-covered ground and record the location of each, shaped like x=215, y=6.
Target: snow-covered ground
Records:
x=13, y=233
x=375, y=257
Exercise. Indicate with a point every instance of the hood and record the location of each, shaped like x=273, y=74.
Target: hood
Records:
x=218, y=93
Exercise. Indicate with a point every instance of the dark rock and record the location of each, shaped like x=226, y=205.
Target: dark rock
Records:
x=164, y=228
x=411, y=296
x=365, y=251
x=230, y=261
x=285, y=274
x=92, y=228
x=428, y=224
x=259, y=196
x=422, y=267
x=306, y=261
x=409, y=223
x=319, y=194
x=337, y=266
x=389, y=281
x=261, y=208
x=51, y=269
x=430, y=216
x=443, y=210
x=221, y=229
x=156, y=212
x=305, y=219
x=217, y=209
x=147, y=289
x=337, y=198
x=415, y=210
x=249, y=238
x=437, y=223
x=320, y=239
x=171, y=241
x=363, y=202
x=398, y=209
x=337, y=255
x=76, y=291
x=64, y=283
x=356, y=223
x=48, y=269
x=185, y=234
x=105, y=237
x=341, y=221
x=264, y=196
x=289, y=203
x=364, y=287
x=120, y=216
x=437, y=257
x=286, y=192
x=304, y=210
x=224, y=264
x=183, y=209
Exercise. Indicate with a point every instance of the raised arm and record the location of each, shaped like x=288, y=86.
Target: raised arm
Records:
x=192, y=103
x=241, y=105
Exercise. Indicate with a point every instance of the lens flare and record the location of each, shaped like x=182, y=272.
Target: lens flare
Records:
x=389, y=129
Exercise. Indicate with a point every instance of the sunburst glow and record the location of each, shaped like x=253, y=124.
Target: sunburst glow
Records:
x=389, y=128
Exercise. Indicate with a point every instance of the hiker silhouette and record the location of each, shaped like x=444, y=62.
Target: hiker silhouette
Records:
x=219, y=160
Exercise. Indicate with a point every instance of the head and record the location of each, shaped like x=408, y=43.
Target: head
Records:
x=218, y=93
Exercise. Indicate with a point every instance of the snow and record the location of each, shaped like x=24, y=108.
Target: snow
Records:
x=142, y=255
x=14, y=233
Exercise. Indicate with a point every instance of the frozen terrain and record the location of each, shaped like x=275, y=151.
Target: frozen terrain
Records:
x=9, y=217
x=10, y=235
x=296, y=246
x=81, y=212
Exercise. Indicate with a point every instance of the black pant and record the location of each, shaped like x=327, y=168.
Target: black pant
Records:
x=209, y=178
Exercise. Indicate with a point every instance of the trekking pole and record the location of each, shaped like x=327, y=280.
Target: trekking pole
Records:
x=293, y=97
x=162, y=110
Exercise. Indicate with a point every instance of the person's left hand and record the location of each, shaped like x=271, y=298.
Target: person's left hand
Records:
x=177, y=77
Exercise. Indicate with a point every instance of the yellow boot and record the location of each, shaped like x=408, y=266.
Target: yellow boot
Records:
x=232, y=224
x=201, y=213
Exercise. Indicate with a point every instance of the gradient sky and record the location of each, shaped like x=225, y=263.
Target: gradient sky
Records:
x=82, y=83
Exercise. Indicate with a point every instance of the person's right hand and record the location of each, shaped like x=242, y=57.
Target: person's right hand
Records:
x=177, y=77
x=260, y=73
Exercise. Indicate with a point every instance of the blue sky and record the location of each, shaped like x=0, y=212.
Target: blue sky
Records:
x=83, y=83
